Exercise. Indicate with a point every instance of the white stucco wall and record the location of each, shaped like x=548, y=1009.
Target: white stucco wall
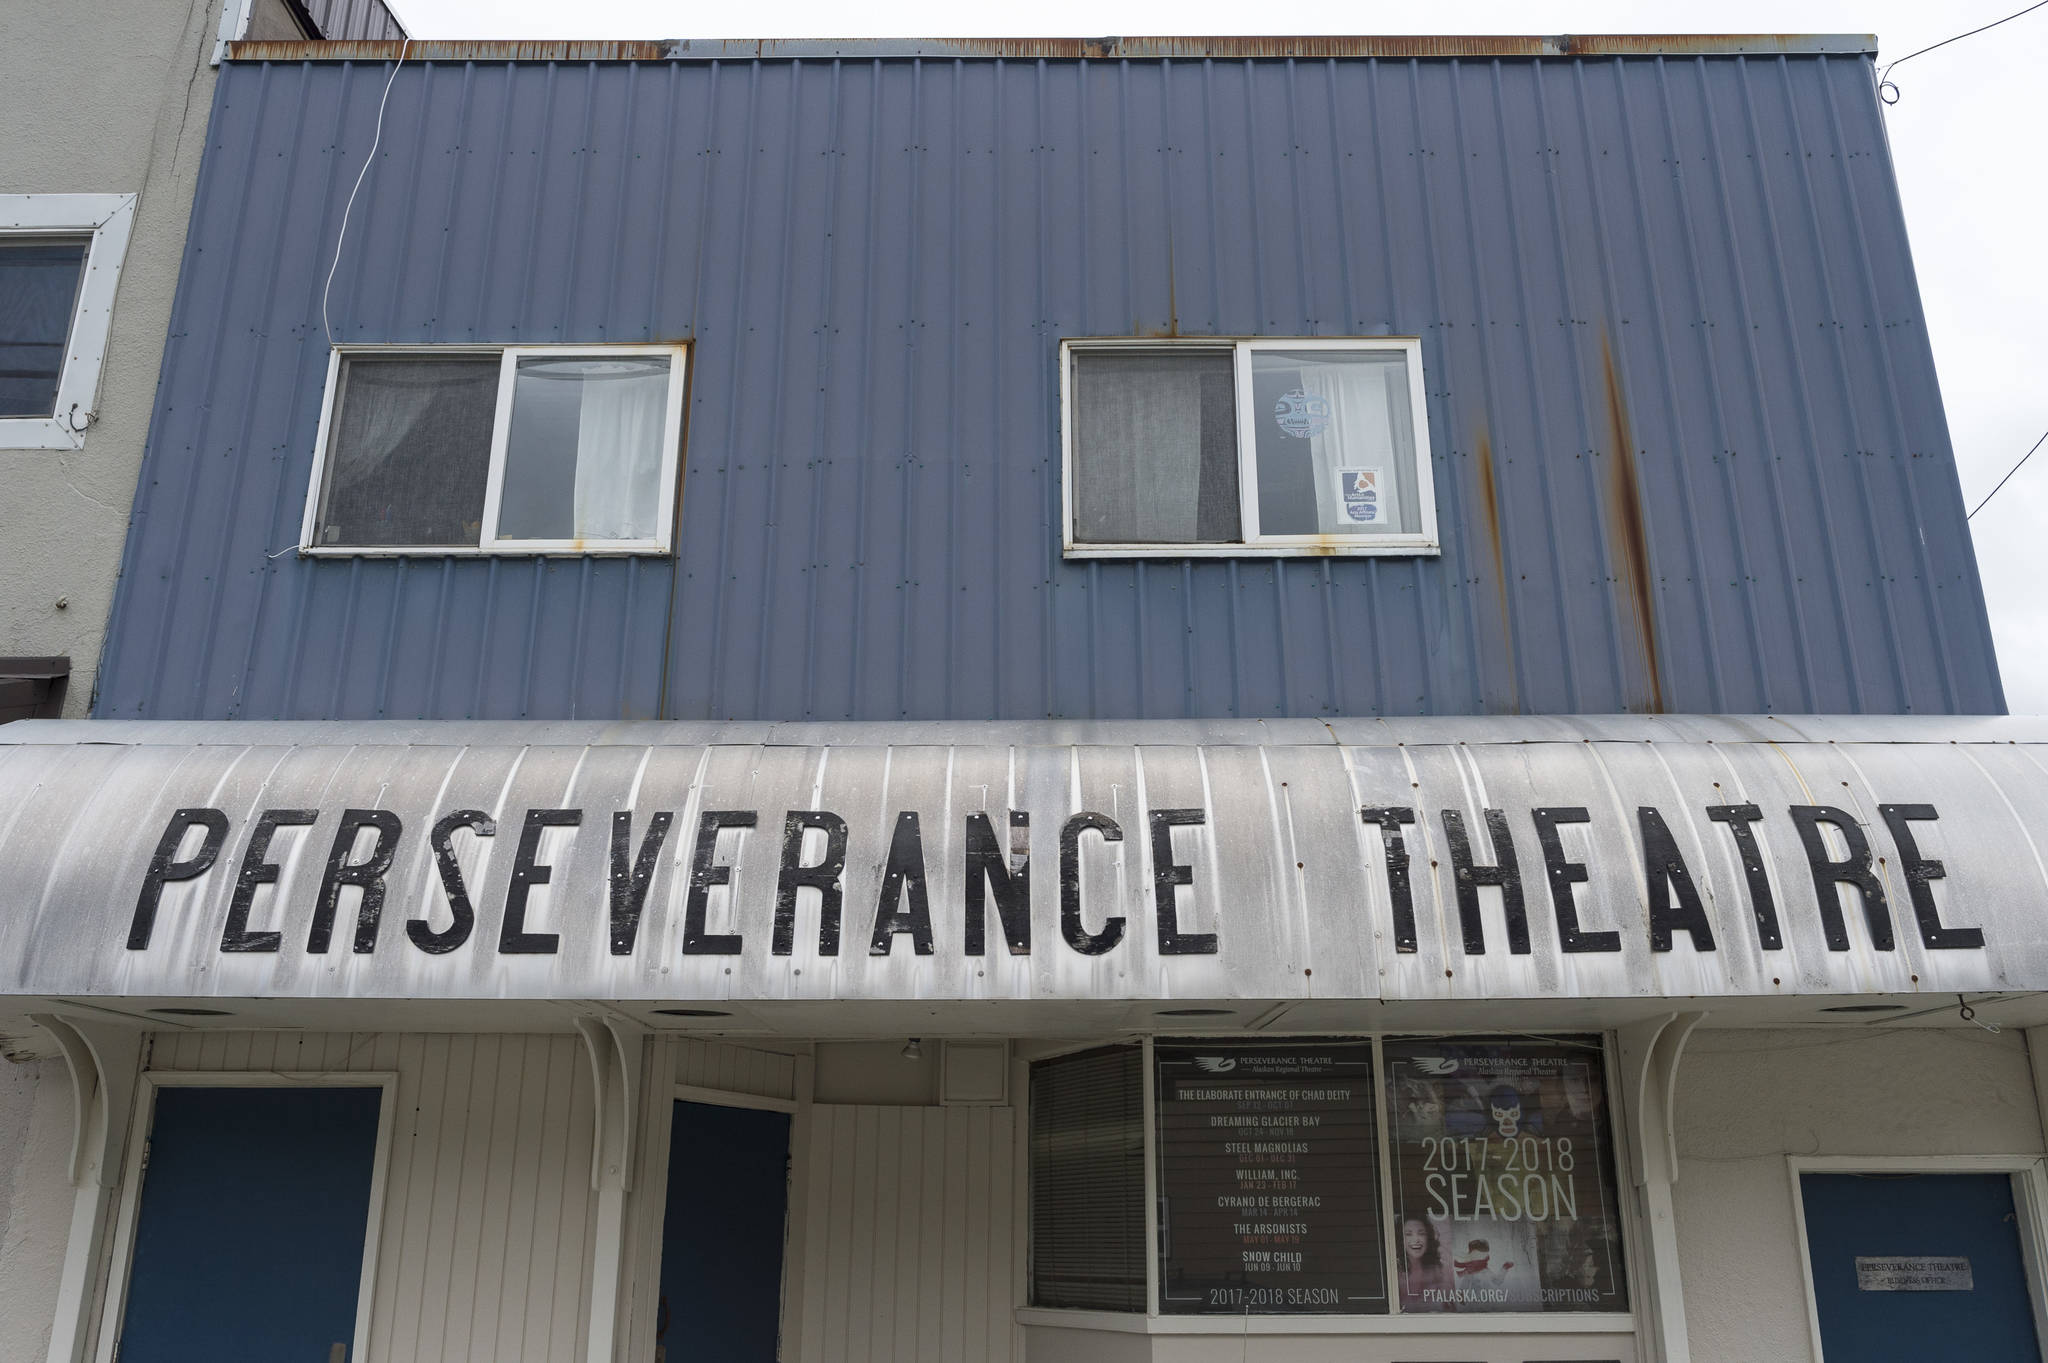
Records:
x=97, y=101
x=1749, y=1099
x=35, y=1200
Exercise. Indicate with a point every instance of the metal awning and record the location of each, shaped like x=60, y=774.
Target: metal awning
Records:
x=1678, y=857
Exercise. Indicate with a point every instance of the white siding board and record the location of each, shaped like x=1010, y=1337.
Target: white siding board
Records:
x=443, y=1164
x=907, y=1254
x=569, y=1303
x=734, y=1069
x=931, y=1263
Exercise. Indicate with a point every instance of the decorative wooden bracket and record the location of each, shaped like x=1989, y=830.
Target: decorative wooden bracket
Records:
x=103, y=1058
x=614, y=1047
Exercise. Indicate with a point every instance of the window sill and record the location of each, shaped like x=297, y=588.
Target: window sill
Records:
x=38, y=433
x=537, y=551
x=1503, y=1323
x=1405, y=546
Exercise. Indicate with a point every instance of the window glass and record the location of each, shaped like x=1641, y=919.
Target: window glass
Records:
x=410, y=451
x=583, y=458
x=1269, y=1184
x=1335, y=443
x=39, y=280
x=1155, y=447
x=1504, y=1187
x=1088, y=1181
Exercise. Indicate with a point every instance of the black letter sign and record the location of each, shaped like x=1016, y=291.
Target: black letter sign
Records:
x=904, y=871
x=1761, y=903
x=824, y=878
x=462, y=916
x=257, y=870
x=527, y=872
x=1399, y=896
x=630, y=881
x=162, y=869
x=1167, y=874
x=1919, y=871
x=1469, y=878
x=1853, y=869
x=988, y=869
x=1078, y=937
x=1664, y=875
x=706, y=871
x=1563, y=875
x=366, y=875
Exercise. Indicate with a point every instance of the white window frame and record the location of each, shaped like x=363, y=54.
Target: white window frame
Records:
x=490, y=544
x=1253, y=544
x=114, y=1306
x=108, y=220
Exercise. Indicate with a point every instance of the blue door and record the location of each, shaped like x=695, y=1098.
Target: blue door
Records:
x=249, y=1237
x=721, y=1240
x=1917, y=1267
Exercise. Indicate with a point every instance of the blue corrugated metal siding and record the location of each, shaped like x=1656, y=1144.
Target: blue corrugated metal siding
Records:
x=1690, y=450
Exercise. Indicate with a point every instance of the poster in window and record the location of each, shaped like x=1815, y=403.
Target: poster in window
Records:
x=1269, y=1190
x=1359, y=496
x=1503, y=1176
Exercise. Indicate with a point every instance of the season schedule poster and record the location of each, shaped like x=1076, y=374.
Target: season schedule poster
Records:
x=1504, y=1196
x=1269, y=1198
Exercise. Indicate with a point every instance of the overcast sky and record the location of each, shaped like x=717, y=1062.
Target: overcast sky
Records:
x=1969, y=135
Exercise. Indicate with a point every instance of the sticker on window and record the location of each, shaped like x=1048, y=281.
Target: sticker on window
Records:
x=1302, y=414
x=1358, y=493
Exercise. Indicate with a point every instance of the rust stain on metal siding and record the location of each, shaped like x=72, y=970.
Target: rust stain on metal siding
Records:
x=1489, y=505
x=1626, y=534
x=1397, y=47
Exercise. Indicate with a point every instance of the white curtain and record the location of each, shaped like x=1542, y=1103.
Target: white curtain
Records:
x=1362, y=433
x=618, y=450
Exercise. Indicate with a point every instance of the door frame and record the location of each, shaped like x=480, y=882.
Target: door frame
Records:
x=115, y=1301
x=2029, y=1199
x=788, y=1346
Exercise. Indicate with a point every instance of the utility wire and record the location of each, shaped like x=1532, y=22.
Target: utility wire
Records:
x=1884, y=85
x=378, y=137
x=2016, y=467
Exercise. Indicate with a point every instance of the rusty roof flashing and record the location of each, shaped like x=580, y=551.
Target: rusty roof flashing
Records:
x=1399, y=47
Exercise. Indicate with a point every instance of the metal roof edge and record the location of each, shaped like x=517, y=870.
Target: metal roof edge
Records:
x=1398, y=46
x=1439, y=730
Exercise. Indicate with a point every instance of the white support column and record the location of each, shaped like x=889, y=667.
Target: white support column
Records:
x=104, y=1059
x=1650, y=1052
x=615, y=1048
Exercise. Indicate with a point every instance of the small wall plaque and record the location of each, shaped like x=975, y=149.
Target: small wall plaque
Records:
x=1913, y=1273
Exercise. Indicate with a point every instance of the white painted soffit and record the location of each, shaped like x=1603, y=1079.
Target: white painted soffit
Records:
x=1667, y=857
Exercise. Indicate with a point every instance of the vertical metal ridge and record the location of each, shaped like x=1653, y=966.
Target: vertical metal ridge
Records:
x=1916, y=548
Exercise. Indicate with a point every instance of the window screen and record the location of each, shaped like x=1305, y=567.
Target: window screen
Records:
x=1155, y=447
x=39, y=279
x=583, y=458
x=1088, y=1181
x=410, y=451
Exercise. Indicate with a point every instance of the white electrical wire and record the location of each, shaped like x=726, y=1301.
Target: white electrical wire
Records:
x=368, y=161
